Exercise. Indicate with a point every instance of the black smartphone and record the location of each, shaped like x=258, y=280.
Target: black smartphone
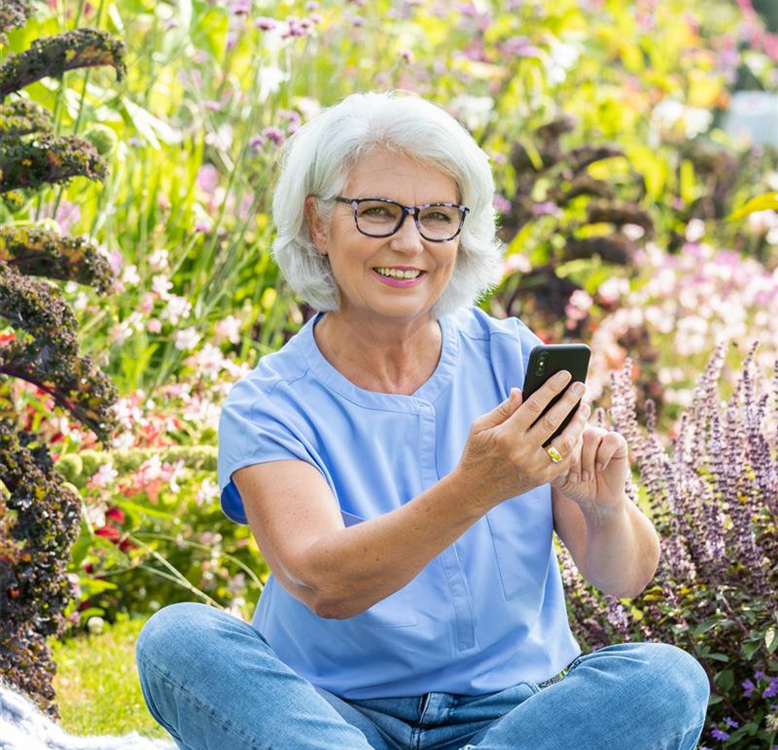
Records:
x=547, y=359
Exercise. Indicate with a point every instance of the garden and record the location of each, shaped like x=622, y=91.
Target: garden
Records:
x=634, y=148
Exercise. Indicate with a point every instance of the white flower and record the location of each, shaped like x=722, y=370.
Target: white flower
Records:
x=695, y=230
x=229, y=328
x=161, y=285
x=177, y=308
x=158, y=260
x=270, y=79
x=95, y=625
x=104, y=475
x=130, y=275
x=208, y=491
x=187, y=339
x=474, y=111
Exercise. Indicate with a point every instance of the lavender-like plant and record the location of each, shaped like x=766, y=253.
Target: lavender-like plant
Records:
x=714, y=501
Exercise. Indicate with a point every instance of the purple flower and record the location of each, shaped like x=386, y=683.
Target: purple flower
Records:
x=289, y=115
x=256, y=141
x=541, y=209
x=241, y=7
x=718, y=734
x=772, y=689
x=519, y=46
x=265, y=23
x=749, y=688
x=759, y=674
x=274, y=134
x=731, y=722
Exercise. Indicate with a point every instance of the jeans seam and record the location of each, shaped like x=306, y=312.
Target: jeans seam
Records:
x=191, y=698
x=694, y=728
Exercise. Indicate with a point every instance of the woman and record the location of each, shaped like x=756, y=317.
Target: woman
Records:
x=389, y=470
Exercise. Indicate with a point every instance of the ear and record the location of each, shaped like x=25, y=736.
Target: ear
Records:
x=315, y=225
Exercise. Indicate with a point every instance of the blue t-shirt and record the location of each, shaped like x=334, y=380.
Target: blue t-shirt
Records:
x=488, y=611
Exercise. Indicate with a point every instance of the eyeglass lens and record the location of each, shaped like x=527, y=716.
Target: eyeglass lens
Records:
x=380, y=218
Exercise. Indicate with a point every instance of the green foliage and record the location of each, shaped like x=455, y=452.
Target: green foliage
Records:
x=97, y=683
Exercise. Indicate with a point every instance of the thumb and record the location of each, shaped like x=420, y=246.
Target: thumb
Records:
x=503, y=410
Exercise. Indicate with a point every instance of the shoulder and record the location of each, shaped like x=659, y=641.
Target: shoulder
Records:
x=474, y=323
x=273, y=371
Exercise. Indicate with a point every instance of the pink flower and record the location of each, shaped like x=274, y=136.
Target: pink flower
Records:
x=264, y=23
x=154, y=326
x=501, y=204
x=207, y=178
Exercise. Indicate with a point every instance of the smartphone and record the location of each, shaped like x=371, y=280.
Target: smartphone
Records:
x=547, y=359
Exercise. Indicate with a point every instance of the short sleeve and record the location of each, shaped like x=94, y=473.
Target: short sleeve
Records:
x=253, y=429
x=511, y=342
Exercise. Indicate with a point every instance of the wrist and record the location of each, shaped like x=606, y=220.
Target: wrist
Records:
x=597, y=514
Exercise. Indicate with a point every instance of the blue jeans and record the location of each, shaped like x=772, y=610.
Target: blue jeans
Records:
x=214, y=683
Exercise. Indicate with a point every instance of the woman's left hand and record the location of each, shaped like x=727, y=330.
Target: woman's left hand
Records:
x=589, y=485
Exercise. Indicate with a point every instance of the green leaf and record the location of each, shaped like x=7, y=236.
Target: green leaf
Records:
x=687, y=182
x=91, y=586
x=718, y=657
x=766, y=202
x=142, y=509
x=85, y=614
x=705, y=626
x=151, y=128
x=771, y=639
x=750, y=648
x=725, y=679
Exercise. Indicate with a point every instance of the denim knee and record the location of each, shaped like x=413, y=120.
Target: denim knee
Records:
x=679, y=678
x=169, y=637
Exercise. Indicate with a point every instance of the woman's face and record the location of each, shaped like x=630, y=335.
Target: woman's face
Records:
x=354, y=256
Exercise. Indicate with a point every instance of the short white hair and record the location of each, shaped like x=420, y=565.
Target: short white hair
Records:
x=317, y=160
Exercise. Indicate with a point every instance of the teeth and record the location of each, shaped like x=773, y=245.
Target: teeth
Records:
x=398, y=274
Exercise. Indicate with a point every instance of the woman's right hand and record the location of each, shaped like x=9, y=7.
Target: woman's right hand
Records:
x=504, y=454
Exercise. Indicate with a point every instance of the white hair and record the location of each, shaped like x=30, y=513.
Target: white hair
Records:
x=317, y=160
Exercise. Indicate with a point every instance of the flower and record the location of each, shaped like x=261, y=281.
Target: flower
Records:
x=265, y=23
x=187, y=339
x=95, y=625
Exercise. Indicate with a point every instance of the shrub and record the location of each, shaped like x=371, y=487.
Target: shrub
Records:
x=39, y=512
x=714, y=502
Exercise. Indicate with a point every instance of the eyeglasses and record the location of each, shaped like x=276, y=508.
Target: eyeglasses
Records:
x=380, y=217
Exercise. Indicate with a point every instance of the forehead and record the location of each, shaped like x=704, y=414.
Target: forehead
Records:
x=387, y=175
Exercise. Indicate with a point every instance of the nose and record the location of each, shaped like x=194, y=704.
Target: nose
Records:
x=407, y=237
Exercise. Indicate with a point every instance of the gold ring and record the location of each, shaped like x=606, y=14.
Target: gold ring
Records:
x=555, y=455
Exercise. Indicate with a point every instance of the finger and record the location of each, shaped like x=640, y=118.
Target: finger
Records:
x=574, y=469
x=547, y=425
x=502, y=411
x=572, y=433
x=592, y=438
x=533, y=406
x=611, y=444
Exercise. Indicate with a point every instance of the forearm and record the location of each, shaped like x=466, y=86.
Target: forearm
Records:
x=356, y=567
x=622, y=549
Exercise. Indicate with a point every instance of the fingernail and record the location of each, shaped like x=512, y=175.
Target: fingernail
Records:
x=561, y=377
x=585, y=476
x=600, y=466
